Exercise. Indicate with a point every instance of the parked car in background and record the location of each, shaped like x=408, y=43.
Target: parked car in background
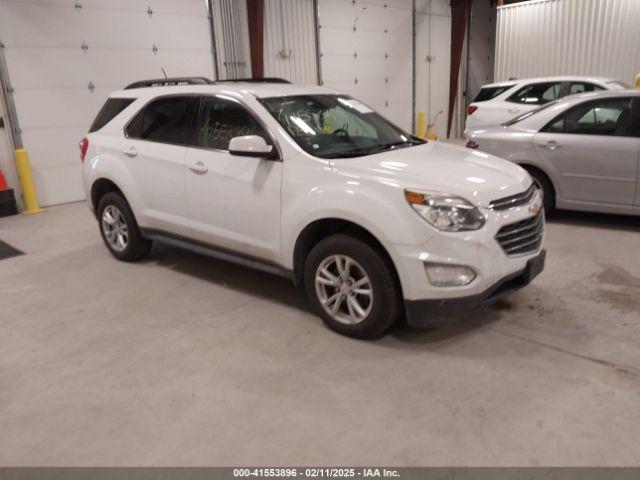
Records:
x=499, y=102
x=308, y=183
x=582, y=150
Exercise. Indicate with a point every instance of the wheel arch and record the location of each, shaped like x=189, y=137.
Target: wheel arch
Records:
x=100, y=188
x=531, y=167
x=322, y=228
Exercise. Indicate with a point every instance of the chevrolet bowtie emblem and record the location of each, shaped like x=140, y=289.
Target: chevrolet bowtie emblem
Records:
x=535, y=208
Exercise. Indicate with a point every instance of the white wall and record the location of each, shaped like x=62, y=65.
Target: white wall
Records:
x=569, y=37
x=51, y=73
x=373, y=62
x=433, y=61
x=290, y=41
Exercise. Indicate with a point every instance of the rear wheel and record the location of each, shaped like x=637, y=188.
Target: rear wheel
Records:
x=544, y=185
x=119, y=229
x=352, y=287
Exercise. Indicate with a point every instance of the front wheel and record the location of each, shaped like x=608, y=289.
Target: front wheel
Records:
x=352, y=287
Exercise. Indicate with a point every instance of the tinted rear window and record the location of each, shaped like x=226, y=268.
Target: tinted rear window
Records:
x=109, y=110
x=487, y=93
x=166, y=120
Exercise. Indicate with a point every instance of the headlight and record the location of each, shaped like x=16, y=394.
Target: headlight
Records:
x=445, y=211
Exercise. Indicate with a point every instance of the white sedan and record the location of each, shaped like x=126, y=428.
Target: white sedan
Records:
x=499, y=102
x=582, y=151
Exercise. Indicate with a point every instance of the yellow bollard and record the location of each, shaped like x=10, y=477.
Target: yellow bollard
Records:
x=636, y=82
x=422, y=125
x=29, y=196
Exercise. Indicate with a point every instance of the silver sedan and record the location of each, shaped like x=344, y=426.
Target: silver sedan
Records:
x=582, y=151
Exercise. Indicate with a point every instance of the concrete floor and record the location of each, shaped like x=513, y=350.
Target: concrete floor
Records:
x=184, y=360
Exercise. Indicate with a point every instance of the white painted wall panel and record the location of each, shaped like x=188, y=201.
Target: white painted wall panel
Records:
x=51, y=73
x=290, y=41
x=374, y=61
x=568, y=37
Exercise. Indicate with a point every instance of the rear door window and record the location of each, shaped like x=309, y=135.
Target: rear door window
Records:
x=611, y=117
x=166, y=120
x=487, y=93
x=583, y=87
x=108, y=112
x=537, y=93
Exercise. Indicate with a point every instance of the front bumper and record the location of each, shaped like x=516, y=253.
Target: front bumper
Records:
x=420, y=312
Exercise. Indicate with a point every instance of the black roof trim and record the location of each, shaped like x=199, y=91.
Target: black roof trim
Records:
x=163, y=82
x=255, y=80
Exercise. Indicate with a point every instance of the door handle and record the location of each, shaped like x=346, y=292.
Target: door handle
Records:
x=131, y=152
x=552, y=145
x=199, y=167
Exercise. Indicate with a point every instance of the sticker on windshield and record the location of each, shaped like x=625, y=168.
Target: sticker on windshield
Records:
x=355, y=104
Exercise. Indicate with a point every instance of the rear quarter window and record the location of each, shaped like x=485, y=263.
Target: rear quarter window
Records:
x=108, y=112
x=487, y=93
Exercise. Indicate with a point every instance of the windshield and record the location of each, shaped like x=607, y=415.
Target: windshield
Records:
x=336, y=126
x=519, y=118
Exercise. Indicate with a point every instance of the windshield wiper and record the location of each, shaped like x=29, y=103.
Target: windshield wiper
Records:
x=377, y=149
x=392, y=145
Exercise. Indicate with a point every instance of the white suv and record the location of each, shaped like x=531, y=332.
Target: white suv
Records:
x=499, y=102
x=307, y=183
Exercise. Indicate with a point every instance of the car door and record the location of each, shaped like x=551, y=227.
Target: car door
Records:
x=593, y=147
x=233, y=200
x=155, y=151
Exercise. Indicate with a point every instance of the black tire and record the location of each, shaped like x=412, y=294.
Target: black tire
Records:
x=137, y=247
x=548, y=192
x=386, y=301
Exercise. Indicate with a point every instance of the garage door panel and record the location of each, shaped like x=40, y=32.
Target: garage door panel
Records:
x=47, y=107
x=43, y=67
x=399, y=113
x=180, y=32
x=105, y=28
x=377, y=17
x=63, y=141
x=399, y=4
x=180, y=63
x=337, y=13
x=56, y=25
x=59, y=184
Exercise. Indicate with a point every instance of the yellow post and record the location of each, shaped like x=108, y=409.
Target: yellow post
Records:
x=422, y=125
x=636, y=82
x=31, y=204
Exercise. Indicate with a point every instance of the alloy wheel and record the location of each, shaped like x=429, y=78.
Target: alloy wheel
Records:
x=344, y=289
x=115, y=228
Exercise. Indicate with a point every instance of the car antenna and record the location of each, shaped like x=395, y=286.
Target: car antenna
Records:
x=164, y=73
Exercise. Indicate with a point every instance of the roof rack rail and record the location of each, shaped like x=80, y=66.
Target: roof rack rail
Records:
x=163, y=82
x=255, y=80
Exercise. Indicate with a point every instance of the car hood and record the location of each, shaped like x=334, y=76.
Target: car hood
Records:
x=476, y=176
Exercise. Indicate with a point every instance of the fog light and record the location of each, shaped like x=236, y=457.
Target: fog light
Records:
x=442, y=275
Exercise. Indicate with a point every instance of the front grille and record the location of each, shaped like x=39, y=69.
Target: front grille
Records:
x=522, y=237
x=514, y=200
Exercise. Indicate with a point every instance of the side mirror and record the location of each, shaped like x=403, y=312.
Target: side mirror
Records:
x=251, y=146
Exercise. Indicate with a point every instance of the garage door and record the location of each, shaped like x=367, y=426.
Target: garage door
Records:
x=366, y=50
x=65, y=56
